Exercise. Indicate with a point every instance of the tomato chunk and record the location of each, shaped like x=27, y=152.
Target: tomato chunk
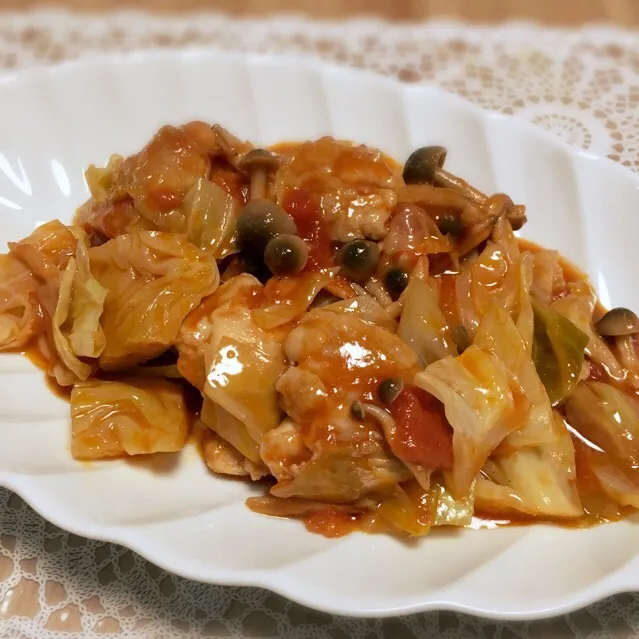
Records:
x=304, y=208
x=423, y=434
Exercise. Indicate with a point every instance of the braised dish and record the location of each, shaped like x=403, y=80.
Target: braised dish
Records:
x=368, y=339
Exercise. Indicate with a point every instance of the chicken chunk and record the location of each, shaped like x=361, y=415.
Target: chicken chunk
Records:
x=336, y=358
x=223, y=459
x=355, y=186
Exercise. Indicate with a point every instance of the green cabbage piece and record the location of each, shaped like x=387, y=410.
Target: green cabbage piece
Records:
x=497, y=334
x=605, y=416
x=558, y=351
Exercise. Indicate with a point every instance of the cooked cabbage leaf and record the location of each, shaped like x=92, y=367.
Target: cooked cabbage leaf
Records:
x=231, y=429
x=223, y=458
x=547, y=276
x=153, y=280
x=76, y=320
x=242, y=363
x=605, y=416
x=578, y=306
x=497, y=334
x=197, y=329
x=211, y=214
x=483, y=403
x=87, y=302
x=558, y=351
x=367, y=308
x=538, y=481
x=445, y=510
x=422, y=324
x=20, y=317
x=47, y=250
x=408, y=509
x=234, y=363
x=127, y=417
x=502, y=275
x=287, y=298
x=100, y=180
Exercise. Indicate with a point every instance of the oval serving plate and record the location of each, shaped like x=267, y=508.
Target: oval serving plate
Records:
x=54, y=122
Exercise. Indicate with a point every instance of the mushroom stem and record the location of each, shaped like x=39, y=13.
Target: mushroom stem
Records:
x=429, y=195
x=476, y=235
x=377, y=290
x=498, y=205
x=382, y=417
x=258, y=184
x=389, y=428
x=230, y=147
x=395, y=309
x=515, y=213
x=450, y=181
x=517, y=216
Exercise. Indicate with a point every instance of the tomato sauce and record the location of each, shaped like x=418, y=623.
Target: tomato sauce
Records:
x=35, y=356
x=332, y=523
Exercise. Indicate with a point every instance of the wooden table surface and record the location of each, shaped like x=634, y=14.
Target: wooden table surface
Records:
x=555, y=12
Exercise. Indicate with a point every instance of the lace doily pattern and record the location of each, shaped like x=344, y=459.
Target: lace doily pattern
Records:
x=581, y=85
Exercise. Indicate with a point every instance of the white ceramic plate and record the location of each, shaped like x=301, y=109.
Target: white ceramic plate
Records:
x=54, y=122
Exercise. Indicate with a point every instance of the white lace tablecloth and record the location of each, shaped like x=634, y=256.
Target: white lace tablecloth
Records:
x=582, y=85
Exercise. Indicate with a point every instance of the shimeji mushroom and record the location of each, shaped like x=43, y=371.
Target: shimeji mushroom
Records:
x=358, y=259
x=425, y=166
x=257, y=164
x=618, y=322
x=286, y=254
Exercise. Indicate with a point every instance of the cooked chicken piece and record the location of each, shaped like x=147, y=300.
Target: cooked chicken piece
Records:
x=336, y=358
x=222, y=458
x=354, y=185
x=283, y=450
x=348, y=354
x=302, y=393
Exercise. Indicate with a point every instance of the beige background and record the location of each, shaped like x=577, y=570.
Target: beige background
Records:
x=555, y=12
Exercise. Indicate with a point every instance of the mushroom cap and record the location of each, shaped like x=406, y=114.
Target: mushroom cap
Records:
x=423, y=164
x=390, y=389
x=358, y=259
x=618, y=322
x=286, y=254
x=260, y=221
x=257, y=159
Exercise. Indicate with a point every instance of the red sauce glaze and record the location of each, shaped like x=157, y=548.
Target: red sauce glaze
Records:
x=228, y=179
x=109, y=218
x=163, y=200
x=304, y=208
x=423, y=435
x=597, y=373
x=331, y=523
